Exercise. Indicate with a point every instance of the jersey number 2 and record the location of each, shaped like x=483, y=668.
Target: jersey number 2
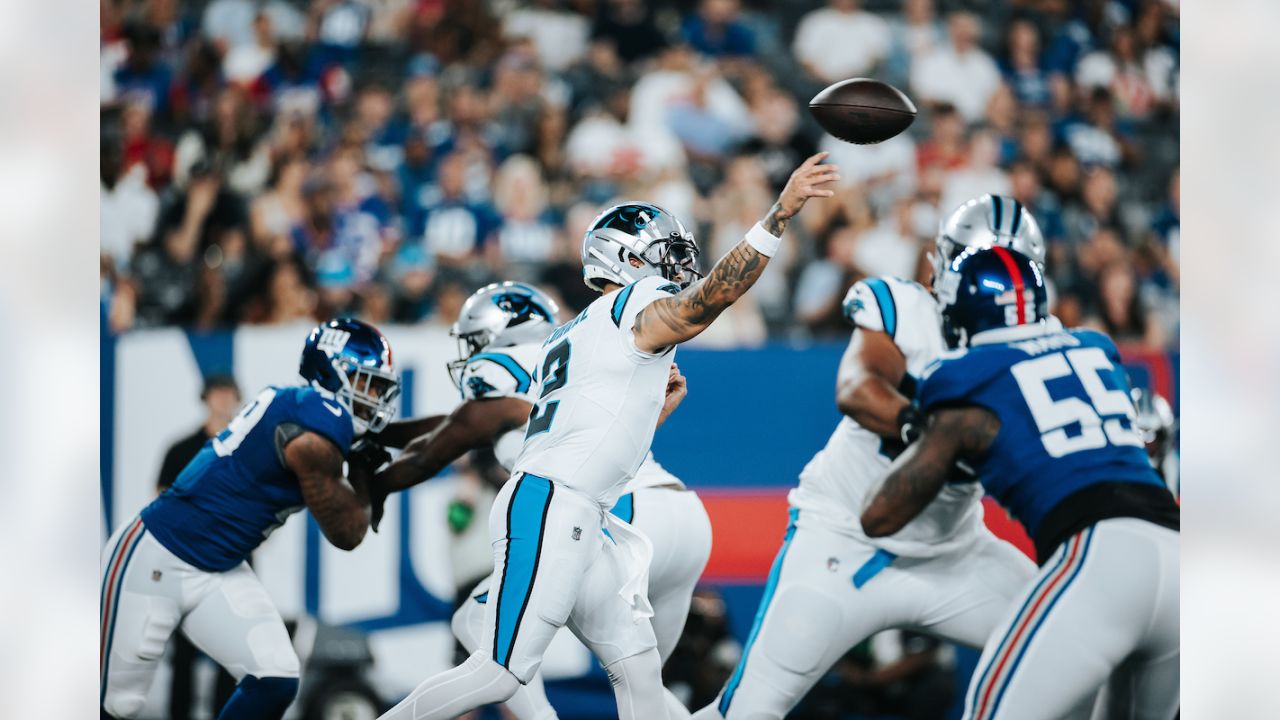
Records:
x=555, y=373
x=1053, y=416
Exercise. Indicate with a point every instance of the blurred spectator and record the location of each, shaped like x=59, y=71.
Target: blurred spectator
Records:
x=716, y=30
x=229, y=144
x=1096, y=207
x=1137, y=77
x=285, y=295
x=144, y=147
x=823, y=282
x=1166, y=227
x=959, y=72
x=1121, y=312
x=779, y=143
x=560, y=35
x=913, y=35
x=525, y=238
x=691, y=99
x=891, y=247
x=1023, y=68
x=128, y=209
x=981, y=174
x=293, y=161
x=245, y=62
x=945, y=147
x=840, y=41
x=452, y=228
x=706, y=653
x=229, y=22
x=143, y=73
x=628, y=25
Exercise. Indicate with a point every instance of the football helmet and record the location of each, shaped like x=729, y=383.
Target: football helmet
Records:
x=500, y=315
x=351, y=360
x=644, y=231
x=983, y=222
x=1156, y=423
x=986, y=289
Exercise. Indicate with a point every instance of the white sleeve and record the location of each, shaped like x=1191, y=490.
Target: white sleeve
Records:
x=494, y=375
x=869, y=304
x=628, y=303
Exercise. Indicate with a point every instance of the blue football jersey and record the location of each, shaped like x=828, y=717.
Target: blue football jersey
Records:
x=237, y=489
x=1066, y=419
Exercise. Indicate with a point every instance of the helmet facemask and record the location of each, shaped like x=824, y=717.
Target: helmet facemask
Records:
x=369, y=393
x=674, y=257
x=468, y=345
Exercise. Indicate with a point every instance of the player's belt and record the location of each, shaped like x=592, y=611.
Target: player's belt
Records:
x=1103, y=501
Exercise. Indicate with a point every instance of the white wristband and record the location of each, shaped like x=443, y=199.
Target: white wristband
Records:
x=763, y=241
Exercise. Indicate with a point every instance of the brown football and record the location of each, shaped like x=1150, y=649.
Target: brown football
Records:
x=863, y=111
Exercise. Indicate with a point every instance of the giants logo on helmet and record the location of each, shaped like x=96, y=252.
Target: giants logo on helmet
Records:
x=333, y=340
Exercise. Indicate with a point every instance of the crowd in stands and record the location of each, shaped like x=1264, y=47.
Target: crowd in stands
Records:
x=277, y=161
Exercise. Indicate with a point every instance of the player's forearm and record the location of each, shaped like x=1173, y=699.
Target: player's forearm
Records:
x=914, y=480
x=402, y=432
x=340, y=512
x=671, y=321
x=420, y=461
x=873, y=403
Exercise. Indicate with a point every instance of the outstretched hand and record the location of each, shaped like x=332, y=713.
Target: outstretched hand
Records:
x=810, y=180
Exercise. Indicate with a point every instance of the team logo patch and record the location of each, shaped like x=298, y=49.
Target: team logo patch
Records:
x=333, y=340
x=577, y=533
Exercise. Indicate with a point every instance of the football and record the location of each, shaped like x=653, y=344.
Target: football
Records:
x=863, y=111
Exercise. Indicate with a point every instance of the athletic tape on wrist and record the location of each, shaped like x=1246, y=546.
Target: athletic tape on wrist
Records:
x=763, y=241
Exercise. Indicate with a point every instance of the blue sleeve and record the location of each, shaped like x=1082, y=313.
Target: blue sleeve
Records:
x=1093, y=338
x=954, y=379
x=325, y=417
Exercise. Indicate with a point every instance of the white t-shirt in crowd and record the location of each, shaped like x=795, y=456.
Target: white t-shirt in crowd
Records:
x=839, y=44
x=966, y=80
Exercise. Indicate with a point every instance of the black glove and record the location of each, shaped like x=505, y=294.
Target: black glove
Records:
x=369, y=454
x=911, y=423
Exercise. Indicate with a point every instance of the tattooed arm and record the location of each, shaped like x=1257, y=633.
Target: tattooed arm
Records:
x=341, y=509
x=916, y=477
x=670, y=321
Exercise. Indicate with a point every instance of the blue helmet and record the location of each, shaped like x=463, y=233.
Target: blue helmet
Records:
x=986, y=289
x=351, y=360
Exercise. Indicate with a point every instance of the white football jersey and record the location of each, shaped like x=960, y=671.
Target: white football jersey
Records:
x=502, y=372
x=842, y=476
x=597, y=396
x=508, y=372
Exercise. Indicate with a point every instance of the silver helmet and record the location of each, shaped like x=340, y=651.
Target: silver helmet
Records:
x=653, y=236
x=986, y=221
x=500, y=315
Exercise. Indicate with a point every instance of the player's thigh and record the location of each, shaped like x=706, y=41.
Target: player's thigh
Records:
x=545, y=538
x=810, y=615
x=141, y=607
x=970, y=592
x=237, y=625
x=1062, y=638
x=601, y=618
x=678, y=527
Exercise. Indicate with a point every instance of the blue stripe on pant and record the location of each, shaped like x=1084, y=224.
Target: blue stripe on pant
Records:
x=770, y=587
x=625, y=508
x=526, y=520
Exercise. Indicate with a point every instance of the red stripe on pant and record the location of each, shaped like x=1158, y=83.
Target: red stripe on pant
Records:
x=121, y=551
x=1007, y=651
